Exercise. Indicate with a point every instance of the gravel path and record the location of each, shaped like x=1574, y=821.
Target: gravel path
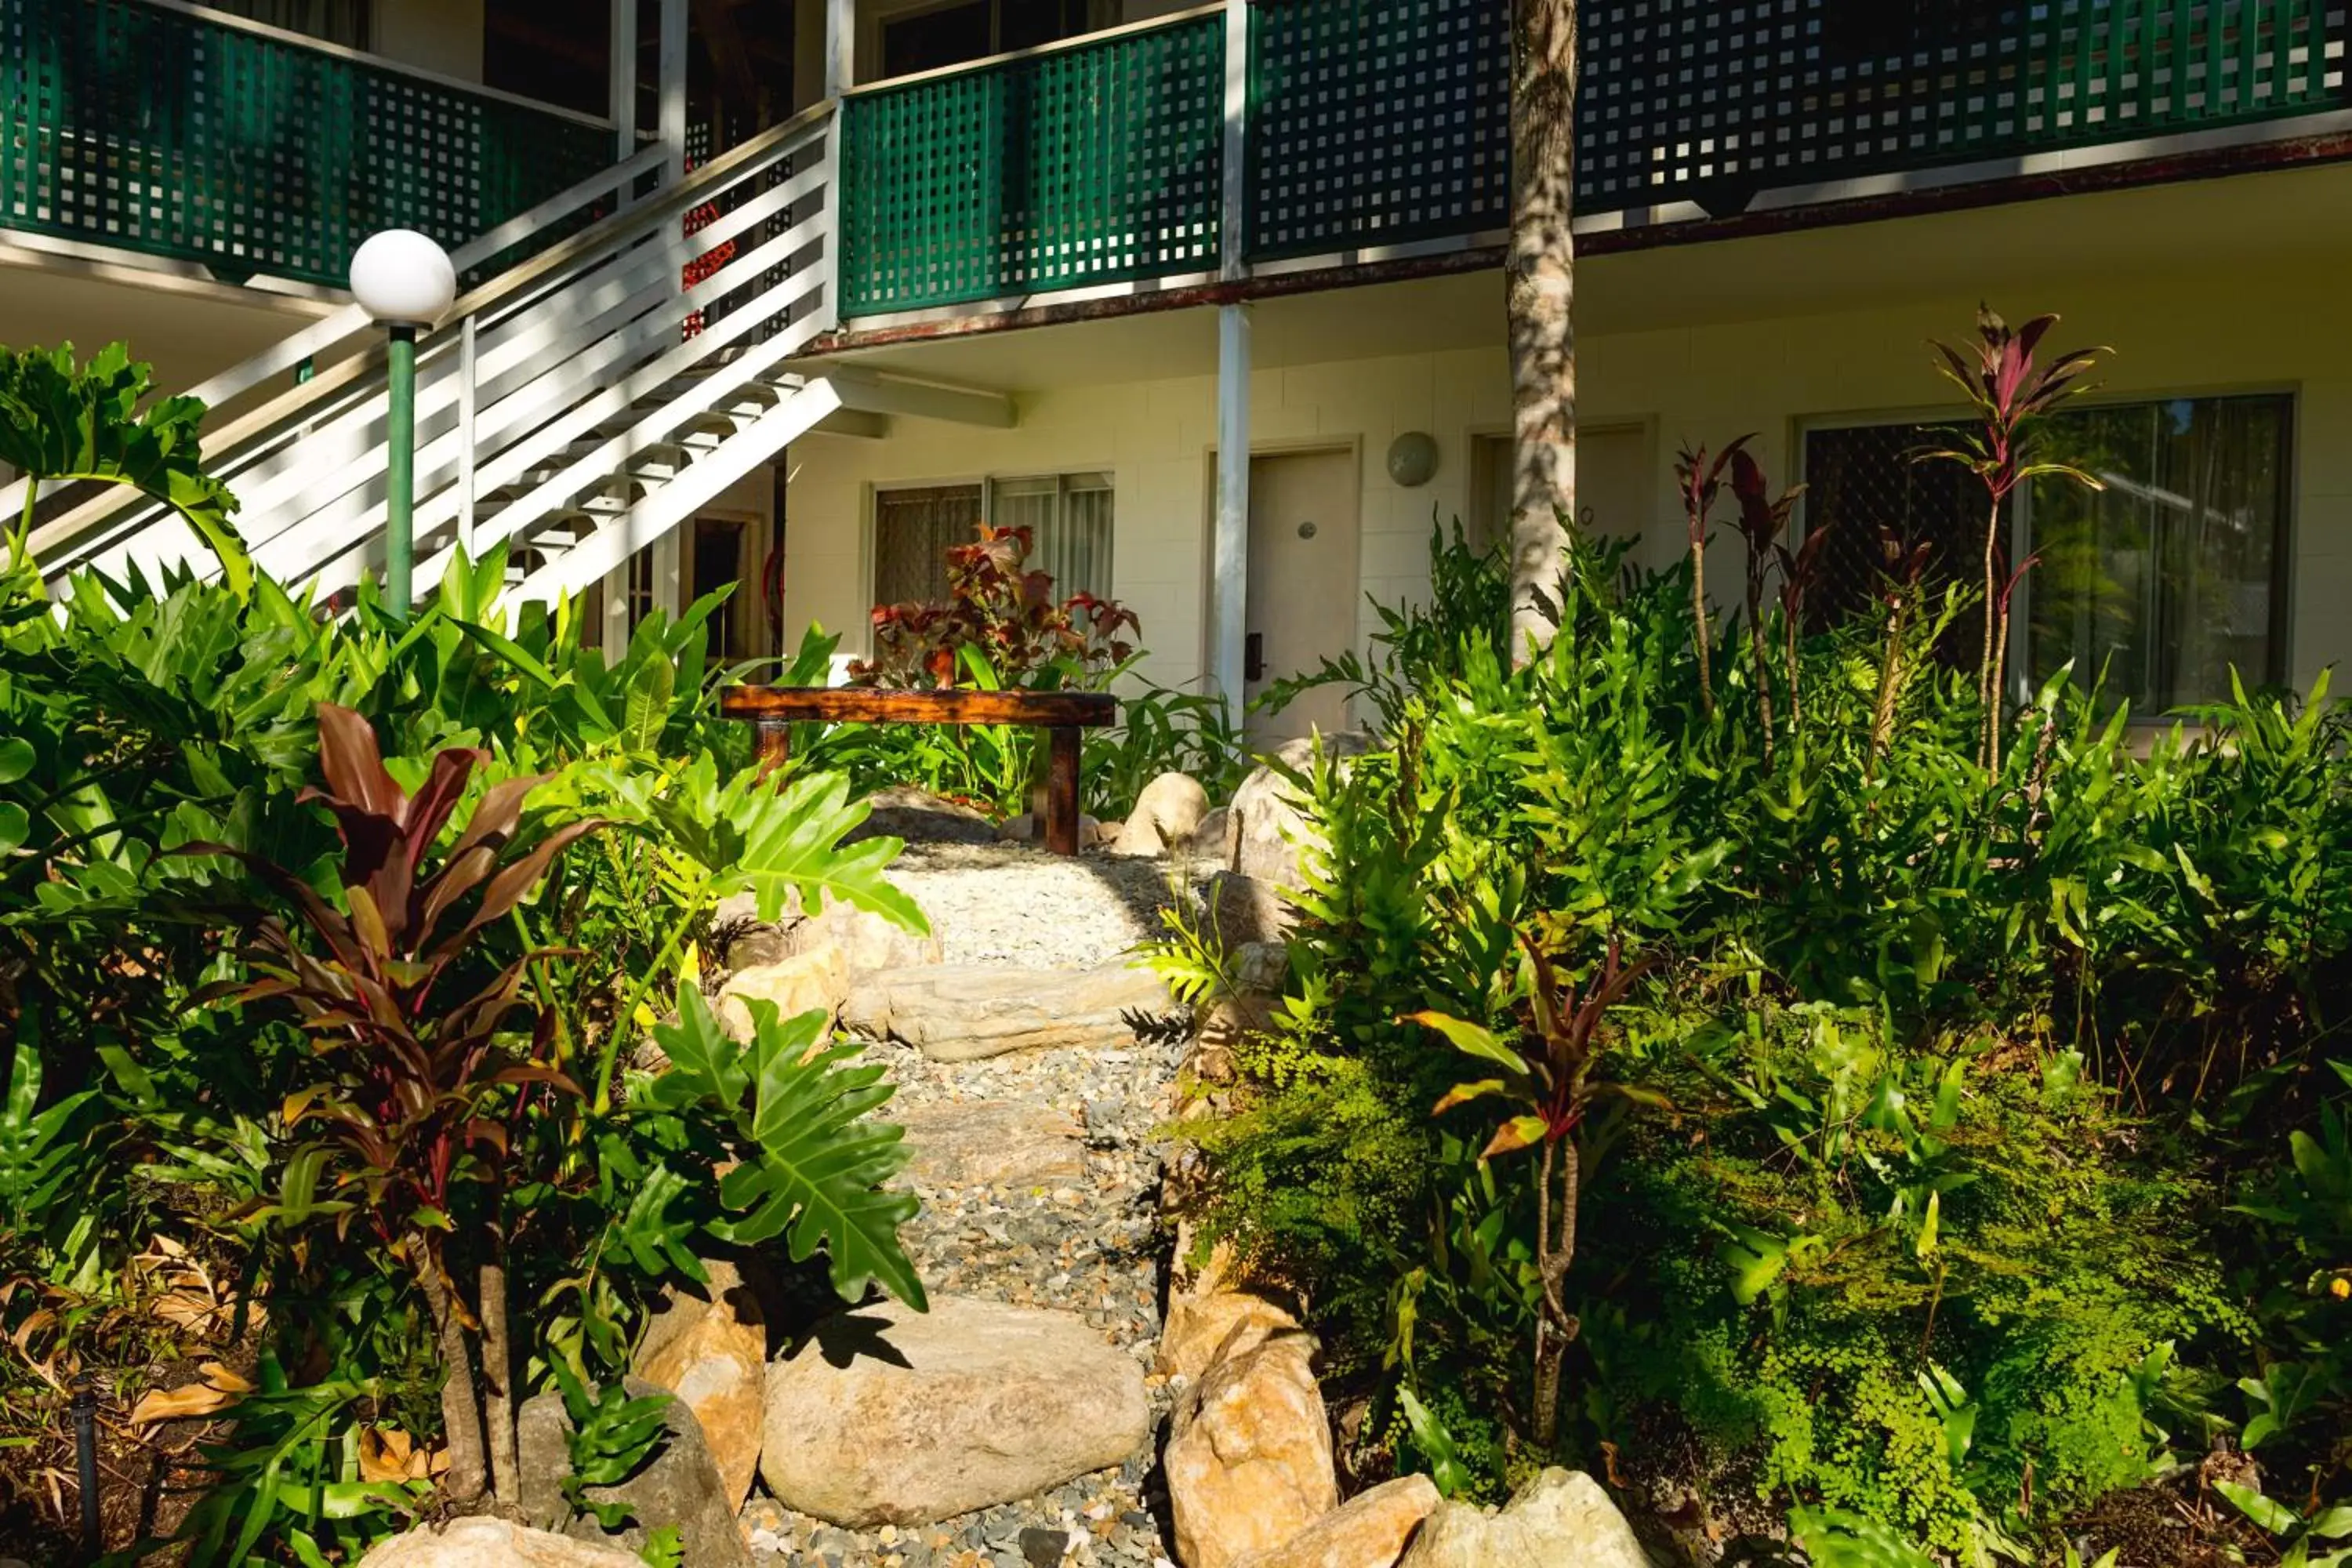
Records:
x=1092, y=1246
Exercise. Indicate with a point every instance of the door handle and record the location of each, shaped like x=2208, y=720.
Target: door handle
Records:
x=1253, y=656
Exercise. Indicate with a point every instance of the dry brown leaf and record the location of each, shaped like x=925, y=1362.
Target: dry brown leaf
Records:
x=389, y=1454
x=220, y=1389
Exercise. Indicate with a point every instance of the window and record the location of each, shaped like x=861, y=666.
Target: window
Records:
x=717, y=563
x=913, y=532
x=2172, y=576
x=1068, y=517
x=2162, y=582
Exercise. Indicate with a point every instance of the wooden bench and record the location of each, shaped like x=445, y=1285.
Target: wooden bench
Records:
x=774, y=709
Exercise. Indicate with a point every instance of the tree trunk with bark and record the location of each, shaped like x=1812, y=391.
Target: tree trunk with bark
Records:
x=1541, y=308
x=467, y=1476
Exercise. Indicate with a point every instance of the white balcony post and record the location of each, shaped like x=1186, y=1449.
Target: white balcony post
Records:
x=840, y=46
x=1229, y=593
x=673, y=86
x=624, y=83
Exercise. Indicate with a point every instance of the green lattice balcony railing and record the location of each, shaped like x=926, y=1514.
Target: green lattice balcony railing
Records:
x=1385, y=122
x=162, y=130
x=1080, y=164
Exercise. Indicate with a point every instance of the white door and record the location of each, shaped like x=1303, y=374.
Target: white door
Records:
x=1303, y=577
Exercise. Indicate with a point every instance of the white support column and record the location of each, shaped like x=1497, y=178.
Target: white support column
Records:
x=468, y=408
x=840, y=46
x=1229, y=592
x=1229, y=589
x=673, y=85
x=623, y=87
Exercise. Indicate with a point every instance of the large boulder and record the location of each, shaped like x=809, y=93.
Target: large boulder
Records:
x=1220, y=1325
x=1246, y=913
x=1561, y=1515
x=989, y=1142
x=1264, y=830
x=492, y=1543
x=893, y=1416
x=681, y=1486
x=1249, y=1455
x=1167, y=813
x=814, y=981
x=1370, y=1531
x=709, y=1345
x=957, y=1013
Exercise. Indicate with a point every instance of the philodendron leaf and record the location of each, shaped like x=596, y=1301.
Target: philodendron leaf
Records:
x=776, y=844
x=813, y=1161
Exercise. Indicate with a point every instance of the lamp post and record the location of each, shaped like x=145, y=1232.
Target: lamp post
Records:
x=406, y=283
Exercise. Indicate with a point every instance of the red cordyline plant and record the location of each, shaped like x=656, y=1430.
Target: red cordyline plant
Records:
x=1699, y=481
x=408, y=1105
x=1904, y=565
x=1763, y=519
x=1547, y=1077
x=2011, y=396
x=1004, y=613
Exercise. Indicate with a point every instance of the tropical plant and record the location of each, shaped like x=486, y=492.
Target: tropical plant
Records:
x=2010, y=396
x=1004, y=613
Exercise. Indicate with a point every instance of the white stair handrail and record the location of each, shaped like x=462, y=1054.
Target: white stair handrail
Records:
x=102, y=527
x=583, y=397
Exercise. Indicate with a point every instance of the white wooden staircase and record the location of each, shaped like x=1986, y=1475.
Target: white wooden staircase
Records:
x=577, y=406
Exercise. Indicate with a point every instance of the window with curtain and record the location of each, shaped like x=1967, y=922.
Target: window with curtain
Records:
x=2172, y=576
x=913, y=532
x=1068, y=517
x=2162, y=581
x=341, y=22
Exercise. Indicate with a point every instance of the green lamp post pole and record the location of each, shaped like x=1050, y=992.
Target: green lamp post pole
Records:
x=406, y=283
x=400, y=474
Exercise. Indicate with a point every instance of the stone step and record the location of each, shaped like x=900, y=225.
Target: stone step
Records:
x=954, y=1013
x=988, y=1143
x=892, y=1416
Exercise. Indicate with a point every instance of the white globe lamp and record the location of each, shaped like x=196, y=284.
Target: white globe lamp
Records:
x=406, y=283
x=403, y=279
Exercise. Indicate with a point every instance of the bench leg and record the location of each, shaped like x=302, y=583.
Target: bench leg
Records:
x=773, y=743
x=1061, y=791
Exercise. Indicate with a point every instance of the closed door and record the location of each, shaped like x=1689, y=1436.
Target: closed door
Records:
x=1616, y=491
x=1302, y=584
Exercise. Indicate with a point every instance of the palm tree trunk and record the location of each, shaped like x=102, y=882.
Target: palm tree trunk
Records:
x=461, y=1415
x=1540, y=304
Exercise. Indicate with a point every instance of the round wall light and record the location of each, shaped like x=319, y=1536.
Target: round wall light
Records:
x=1412, y=458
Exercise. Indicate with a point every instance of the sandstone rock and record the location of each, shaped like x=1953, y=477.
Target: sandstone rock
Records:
x=681, y=1486
x=1209, y=838
x=814, y=981
x=1264, y=830
x=1249, y=1459
x=1247, y=913
x=1367, y=1532
x=1221, y=1325
x=989, y=1142
x=866, y=942
x=1166, y=815
x=709, y=1345
x=1561, y=1515
x=892, y=1416
x=955, y=1012
x=492, y=1543
x=919, y=816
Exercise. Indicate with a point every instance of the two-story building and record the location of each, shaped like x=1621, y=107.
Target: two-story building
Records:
x=1212, y=298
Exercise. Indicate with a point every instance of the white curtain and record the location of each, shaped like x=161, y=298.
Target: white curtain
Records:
x=1069, y=520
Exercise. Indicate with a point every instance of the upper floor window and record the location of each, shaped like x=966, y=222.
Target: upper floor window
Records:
x=344, y=21
x=2161, y=582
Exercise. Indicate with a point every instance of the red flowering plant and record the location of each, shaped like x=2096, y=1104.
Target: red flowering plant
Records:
x=1001, y=617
